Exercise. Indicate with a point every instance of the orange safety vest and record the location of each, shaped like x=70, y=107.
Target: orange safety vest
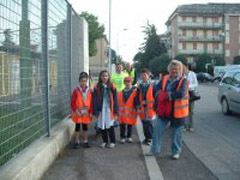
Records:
x=112, y=115
x=126, y=111
x=147, y=112
x=84, y=107
x=181, y=105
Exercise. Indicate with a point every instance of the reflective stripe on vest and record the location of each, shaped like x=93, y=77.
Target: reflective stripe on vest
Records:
x=147, y=112
x=181, y=105
x=126, y=110
x=83, y=115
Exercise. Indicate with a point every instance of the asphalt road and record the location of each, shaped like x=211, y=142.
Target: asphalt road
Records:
x=216, y=140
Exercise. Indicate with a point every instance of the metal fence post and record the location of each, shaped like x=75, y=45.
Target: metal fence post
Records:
x=69, y=43
x=45, y=60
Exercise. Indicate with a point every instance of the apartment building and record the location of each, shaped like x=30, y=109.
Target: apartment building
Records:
x=212, y=28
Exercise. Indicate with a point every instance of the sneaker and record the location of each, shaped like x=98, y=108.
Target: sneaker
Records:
x=149, y=142
x=111, y=145
x=86, y=145
x=144, y=141
x=76, y=145
x=130, y=140
x=149, y=154
x=175, y=156
x=191, y=129
x=103, y=145
x=123, y=140
x=184, y=130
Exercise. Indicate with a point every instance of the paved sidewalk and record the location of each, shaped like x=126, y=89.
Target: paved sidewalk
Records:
x=188, y=167
x=125, y=161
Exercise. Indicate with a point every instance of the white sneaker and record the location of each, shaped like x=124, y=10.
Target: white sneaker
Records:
x=130, y=140
x=111, y=145
x=123, y=140
x=103, y=145
x=176, y=156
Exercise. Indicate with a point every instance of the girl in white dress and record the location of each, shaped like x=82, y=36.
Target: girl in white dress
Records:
x=105, y=108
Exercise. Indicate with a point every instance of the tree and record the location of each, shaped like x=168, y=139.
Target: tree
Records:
x=159, y=64
x=219, y=61
x=202, y=60
x=95, y=31
x=151, y=47
x=236, y=60
x=181, y=58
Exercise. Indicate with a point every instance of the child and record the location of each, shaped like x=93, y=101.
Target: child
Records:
x=105, y=108
x=146, y=110
x=81, y=105
x=127, y=104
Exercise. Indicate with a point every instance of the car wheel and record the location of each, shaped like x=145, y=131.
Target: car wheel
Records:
x=225, y=107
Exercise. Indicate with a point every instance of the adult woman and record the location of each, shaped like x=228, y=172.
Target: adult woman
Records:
x=171, y=98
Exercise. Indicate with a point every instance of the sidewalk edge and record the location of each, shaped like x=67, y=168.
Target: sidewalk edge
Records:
x=151, y=163
x=35, y=160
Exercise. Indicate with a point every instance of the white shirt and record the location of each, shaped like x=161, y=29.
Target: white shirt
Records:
x=192, y=79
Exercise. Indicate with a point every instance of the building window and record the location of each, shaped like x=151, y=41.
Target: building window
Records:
x=184, y=32
x=184, y=18
x=205, y=20
x=215, y=46
x=184, y=45
x=194, y=33
x=194, y=45
x=194, y=19
x=215, y=19
x=227, y=53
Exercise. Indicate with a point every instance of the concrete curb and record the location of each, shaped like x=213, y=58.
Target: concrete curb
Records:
x=151, y=163
x=35, y=160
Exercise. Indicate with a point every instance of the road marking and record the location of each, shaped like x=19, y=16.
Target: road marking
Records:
x=151, y=163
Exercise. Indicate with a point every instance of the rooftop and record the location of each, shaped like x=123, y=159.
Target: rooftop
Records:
x=210, y=8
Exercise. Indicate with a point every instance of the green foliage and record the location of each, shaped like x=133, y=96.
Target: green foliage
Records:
x=95, y=31
x=202, y=60
x=181, y=58
x=219, y=61
x=151, y=48
x=159, y=64
x=236, y=60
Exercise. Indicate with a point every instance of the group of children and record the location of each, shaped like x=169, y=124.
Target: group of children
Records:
x=106, y=105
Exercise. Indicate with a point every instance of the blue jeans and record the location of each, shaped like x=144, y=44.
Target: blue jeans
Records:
x=159, y=127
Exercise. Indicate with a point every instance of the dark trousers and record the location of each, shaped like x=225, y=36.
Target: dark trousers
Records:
x=123, y=130
x=108, y=134
x=147, y=129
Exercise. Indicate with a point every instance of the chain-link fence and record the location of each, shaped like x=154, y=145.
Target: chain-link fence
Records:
x=36, y=69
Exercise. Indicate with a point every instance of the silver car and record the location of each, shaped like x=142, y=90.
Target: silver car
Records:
x=229, y=92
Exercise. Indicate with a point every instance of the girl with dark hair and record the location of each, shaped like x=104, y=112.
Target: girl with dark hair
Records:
x=105, y=108
x=81, y=105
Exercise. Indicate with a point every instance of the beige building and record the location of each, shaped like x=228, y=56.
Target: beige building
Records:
x=99, y=62
x=212, y=28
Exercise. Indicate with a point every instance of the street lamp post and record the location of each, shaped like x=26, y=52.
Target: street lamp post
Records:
x=109, y=40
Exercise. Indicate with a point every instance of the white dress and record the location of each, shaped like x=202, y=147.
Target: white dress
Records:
x=104, y=119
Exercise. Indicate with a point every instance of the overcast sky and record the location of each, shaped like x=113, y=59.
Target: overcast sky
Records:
x=132, y=14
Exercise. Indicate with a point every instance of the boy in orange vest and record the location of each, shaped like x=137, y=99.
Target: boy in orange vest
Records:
x=127, y=105
x=146, y=110
x=81, y=105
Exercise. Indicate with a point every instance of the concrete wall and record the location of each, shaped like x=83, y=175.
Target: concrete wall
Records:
x=35, y=160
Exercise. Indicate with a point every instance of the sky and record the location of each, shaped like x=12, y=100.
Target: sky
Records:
x=133, y=15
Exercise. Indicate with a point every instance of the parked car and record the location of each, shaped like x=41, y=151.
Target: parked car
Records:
x=229, y=92
x=204, y=77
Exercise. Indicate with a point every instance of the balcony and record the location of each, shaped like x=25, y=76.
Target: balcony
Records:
x=199, y=25
x=200, y=39
x=199, y=51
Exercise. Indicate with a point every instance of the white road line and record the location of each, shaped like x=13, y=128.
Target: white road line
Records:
x=151, y=163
